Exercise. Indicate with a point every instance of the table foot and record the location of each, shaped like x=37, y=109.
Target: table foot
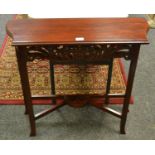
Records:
x=122, y=127
x=32, y=134
x=32, y=129
x=122, y=131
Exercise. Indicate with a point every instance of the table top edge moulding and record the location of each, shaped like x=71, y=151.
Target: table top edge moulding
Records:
x=77, y=31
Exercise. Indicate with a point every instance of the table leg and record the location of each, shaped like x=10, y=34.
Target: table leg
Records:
x=52, y=82
x=109, y=81
x=21, y=59
x=132, y=69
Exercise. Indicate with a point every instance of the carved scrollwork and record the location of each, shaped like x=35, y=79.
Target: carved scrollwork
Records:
x=81, y=53
x=37, y=52
x=124, y=50
x=77, y=53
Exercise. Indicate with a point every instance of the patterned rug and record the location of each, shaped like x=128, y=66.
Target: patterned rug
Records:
x=69, y=79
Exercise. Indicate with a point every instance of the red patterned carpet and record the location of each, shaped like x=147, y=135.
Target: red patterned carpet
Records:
x=69, y=79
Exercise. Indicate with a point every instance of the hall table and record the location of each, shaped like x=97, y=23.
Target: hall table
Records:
x=77, y=41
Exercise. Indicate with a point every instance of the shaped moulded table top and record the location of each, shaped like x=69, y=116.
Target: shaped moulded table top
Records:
x=78, y=31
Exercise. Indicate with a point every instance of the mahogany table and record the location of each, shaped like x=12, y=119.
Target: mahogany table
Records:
x=77, y=41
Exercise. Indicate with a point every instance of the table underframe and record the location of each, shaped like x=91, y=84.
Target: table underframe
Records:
x=102, y=54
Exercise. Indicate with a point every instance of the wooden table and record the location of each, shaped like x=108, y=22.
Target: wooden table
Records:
x=77, y=41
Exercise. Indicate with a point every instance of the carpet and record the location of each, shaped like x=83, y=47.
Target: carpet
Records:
x=69, y=79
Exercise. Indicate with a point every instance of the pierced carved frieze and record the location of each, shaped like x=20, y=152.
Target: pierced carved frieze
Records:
x=81, y=53
x=77, y=53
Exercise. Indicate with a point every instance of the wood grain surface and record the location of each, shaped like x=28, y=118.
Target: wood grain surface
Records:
x=66, y=31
